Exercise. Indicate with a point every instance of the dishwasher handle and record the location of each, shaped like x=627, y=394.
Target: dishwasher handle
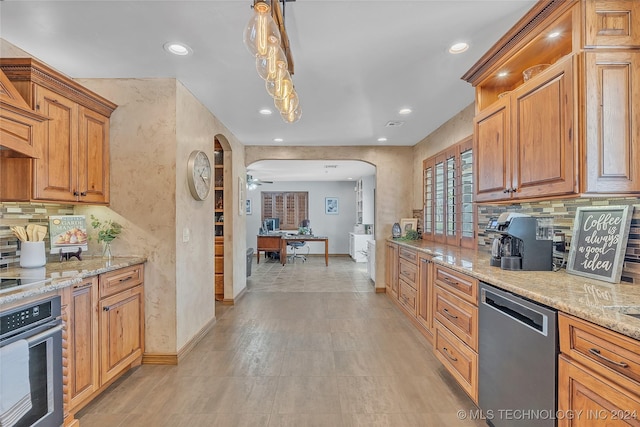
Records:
x=510, y=308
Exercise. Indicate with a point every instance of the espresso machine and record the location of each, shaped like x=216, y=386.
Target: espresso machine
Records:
x=525, y=242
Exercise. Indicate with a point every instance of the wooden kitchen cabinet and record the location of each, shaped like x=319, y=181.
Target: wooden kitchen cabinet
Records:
x=121, y=308
x=391, y=269
x=598, y=373
x=571, y=129
x=524, y=143
x=425, y=292
x=73, y=161
x=612, y=141
x=84, y=375
x=611, y=23
x=409, y=284
x=455, y=320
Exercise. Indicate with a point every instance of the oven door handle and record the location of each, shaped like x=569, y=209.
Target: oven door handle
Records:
x=44, y=334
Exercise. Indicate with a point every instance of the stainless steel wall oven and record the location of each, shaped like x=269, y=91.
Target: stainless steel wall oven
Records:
x=31, y=340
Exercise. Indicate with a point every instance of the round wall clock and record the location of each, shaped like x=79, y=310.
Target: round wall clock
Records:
x=199, y=175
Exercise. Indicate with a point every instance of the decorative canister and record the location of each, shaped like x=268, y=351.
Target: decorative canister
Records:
x=396, y=231
x=32, y=254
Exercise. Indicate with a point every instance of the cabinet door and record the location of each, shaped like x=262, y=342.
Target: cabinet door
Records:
x=55, y=173
x=392, y=269
x=598, y=401
x=492, y=130
x=83, y=339
x=121, y=331
x=425, y=292
x=612, y=128
x=543, y=148
x=612, y=23
x=93, y=157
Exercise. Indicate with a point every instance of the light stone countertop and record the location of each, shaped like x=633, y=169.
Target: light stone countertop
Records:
x=61, y=275
x=596, y=301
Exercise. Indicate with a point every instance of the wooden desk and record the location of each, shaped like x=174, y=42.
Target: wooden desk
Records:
x=303, y=238
x=268, y=243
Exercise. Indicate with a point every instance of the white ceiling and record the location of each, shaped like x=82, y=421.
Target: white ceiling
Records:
x=310, y=170
x=356, y=62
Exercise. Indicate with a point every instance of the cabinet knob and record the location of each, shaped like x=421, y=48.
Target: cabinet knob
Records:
x=84, y=193
x=506, y=190
x=75, y=193
x=106, y=308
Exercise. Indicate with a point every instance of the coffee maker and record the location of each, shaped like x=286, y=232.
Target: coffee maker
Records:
x=526, y=243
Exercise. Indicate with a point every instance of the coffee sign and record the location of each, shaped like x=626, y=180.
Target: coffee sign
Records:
x=599, y=242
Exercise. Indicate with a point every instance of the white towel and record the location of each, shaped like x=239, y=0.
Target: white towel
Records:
x=15, y=391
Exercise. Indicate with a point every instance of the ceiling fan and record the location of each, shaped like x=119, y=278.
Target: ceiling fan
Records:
x=254, y=182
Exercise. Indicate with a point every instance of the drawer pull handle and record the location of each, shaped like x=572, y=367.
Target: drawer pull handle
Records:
x=448, y=313
x=83, y=285
x=596, y=353
x=126, y=278
x=450, y=282
x=446, y=351
x=106, y=308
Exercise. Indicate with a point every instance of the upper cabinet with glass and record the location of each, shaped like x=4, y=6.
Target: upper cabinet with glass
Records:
x=553, y=103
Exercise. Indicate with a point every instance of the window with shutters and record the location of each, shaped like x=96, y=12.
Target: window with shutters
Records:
x=448, y=198
x=290, y=207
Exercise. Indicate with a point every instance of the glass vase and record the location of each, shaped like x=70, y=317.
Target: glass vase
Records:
x=106, y=251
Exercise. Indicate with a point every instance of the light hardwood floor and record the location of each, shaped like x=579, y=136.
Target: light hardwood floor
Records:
x=307, y=345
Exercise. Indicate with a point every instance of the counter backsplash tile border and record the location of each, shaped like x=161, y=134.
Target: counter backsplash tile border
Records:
x=563, y=212
x=22, y=213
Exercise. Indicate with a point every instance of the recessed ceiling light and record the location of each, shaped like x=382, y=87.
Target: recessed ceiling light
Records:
x=278, y=139
x=176, y=48
x=349, y=178
x=458, y=48
x=265, y=111
x=405, y=111
x=502, y=74
x=554, y=34
x=382, y=139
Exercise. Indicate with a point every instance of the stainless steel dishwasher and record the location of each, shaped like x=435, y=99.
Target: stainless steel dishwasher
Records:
x=518, y=350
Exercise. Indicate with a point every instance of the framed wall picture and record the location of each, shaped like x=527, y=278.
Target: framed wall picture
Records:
x=599, y=242
x=331, y=205
x=248, y=207
x=407, y=224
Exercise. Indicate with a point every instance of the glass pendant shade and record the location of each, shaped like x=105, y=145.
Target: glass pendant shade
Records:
x=293, y=116
x=287, y=104
x=268, y=65
x=280, y=87
x=260, y=29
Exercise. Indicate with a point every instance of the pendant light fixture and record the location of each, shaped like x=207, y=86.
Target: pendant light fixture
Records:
x=265, y=38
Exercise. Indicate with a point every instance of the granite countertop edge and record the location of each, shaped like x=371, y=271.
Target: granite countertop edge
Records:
x=595, y=301
x=61, y=275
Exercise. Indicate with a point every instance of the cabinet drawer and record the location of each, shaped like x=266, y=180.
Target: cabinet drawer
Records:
x=581, y=390
x=458, y=359
x=612, y=355
x=407, y=296
x=460, y=284
x=410, y=255
x=459, y=316
x=119, y=280
x=408, y=271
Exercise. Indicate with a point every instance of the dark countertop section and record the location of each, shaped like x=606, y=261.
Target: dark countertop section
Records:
x=58, y=275
x=596, y=301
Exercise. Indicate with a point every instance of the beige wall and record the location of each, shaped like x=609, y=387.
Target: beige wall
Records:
x=453, y=130
x=157, y=124
x=393, y=181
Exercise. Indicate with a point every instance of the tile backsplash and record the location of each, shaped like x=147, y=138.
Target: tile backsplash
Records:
x=22, y=214
x=563, y=213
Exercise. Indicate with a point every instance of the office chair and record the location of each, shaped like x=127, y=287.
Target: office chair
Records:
x=296, y=246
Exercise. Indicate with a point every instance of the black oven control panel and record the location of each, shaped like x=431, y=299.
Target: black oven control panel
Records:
x=25, y=316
